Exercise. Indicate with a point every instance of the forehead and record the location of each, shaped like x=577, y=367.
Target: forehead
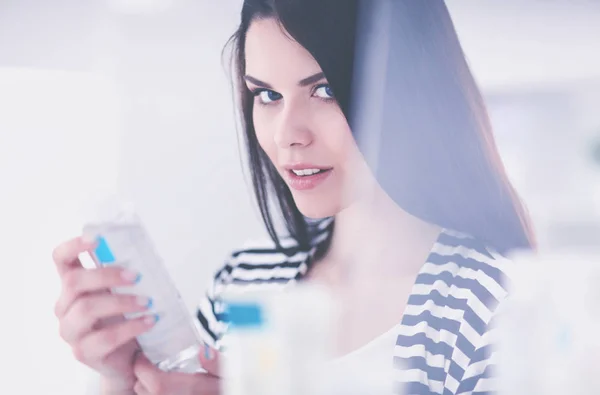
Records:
x=272, y=55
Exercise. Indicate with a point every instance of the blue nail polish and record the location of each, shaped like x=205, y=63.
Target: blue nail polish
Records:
x=156, y=317
x=150, y=303
x=104, y=253
x=207, y=353
x=138, y=278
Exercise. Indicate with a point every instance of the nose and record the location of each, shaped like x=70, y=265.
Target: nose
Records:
x=293, y=127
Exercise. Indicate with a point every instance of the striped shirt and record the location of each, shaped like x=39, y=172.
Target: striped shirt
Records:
x=442, y=341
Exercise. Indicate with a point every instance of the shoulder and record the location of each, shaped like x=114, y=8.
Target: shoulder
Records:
x=463, y=283
x=480, y=281
x=474, y=266
x=260, y=261
x=257, y=263
x=459, y=291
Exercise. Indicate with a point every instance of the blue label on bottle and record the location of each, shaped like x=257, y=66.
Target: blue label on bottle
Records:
x=244, y=315
x=103, y=252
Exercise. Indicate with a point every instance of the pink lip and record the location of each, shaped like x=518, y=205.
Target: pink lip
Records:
x=302, y=166
x=303, y=183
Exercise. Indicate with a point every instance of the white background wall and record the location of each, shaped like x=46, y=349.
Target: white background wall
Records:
x=82, y=87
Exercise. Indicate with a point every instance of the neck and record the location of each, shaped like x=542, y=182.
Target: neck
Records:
x=375, y=235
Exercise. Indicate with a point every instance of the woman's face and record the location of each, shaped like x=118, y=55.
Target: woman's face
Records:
x=299, y=124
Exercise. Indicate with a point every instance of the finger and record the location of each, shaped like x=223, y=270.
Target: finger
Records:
x=66, y=255
x=210, y=360
x=85, y=312
x=139, y=389
x=98, y=344
x=75, y=283
x=151, y=378
x=155, y=381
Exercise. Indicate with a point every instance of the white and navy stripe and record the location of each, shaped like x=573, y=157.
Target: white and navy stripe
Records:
x=443, y=342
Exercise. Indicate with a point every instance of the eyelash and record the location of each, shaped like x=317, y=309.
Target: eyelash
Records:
x=258, y=91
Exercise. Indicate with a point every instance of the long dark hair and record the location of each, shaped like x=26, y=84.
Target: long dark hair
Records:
x=448, y=170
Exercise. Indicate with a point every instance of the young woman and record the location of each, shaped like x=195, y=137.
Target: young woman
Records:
x=427, y=254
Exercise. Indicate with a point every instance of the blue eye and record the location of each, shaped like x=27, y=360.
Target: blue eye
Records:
x=267, y=96
x=324, y=92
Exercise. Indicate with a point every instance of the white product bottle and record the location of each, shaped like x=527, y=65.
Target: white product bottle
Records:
x=174, y=342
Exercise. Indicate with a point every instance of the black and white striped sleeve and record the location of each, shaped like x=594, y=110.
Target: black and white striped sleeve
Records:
x=258, y=265
x=209, y=312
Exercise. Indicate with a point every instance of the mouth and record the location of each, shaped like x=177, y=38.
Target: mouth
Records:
x=307, y=172
x=304, y=178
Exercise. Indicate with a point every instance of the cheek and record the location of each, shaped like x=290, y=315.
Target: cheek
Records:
x=354, y=173
x=264, y=131
x=335, y=134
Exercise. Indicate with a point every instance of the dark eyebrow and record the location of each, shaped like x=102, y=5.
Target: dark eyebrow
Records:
x=257, y=82
x=312, y=79
x=304, y=82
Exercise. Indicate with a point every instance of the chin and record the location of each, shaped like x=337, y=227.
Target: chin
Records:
x=317, y=208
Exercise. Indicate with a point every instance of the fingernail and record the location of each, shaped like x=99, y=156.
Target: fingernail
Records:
x=88, y=239
x=151, y=319
x=144, y=301
x=131, y=276
x=207, y=352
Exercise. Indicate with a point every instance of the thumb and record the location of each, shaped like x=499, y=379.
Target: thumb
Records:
x=211, y=360
x=146, y=373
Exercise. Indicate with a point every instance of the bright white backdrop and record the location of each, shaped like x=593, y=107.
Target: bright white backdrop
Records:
x=90, y=99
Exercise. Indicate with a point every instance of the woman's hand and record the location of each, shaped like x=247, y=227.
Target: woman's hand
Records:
x=91, y=317
x=153, y=381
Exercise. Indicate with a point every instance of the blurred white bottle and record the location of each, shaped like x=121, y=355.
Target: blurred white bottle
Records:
x=278, y=341
x=548, y=329
x=549, y=326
